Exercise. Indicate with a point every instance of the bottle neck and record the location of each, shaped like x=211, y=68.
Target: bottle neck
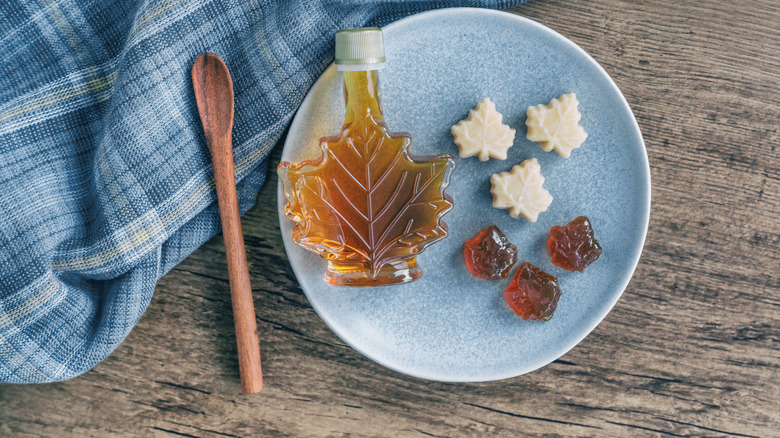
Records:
x=361, y=93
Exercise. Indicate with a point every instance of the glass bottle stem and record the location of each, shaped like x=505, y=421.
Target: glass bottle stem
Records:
x=361, y=94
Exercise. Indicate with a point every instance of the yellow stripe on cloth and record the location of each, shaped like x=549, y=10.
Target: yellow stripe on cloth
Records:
x=140, y=237
x=153, y=13
x=145, y=235
x=35, y=302
x=97, y=84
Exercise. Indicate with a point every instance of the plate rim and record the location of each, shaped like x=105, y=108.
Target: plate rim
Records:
x=645, y=214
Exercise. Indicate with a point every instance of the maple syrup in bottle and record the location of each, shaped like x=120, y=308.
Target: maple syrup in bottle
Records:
x=366, y=205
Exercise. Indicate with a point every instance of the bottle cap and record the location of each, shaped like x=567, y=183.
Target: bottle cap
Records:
x=360, y=49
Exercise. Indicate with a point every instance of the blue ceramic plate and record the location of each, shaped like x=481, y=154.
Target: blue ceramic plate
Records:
x=450, y=326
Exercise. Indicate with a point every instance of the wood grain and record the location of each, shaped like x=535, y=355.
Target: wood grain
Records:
x=213, y=89
x=691, y=349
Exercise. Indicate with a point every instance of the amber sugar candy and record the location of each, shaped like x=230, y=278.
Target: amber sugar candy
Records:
x=490, y=255
x=533, y=293
x=573, y=246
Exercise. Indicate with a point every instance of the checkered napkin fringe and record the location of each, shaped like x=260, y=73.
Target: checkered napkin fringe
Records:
x=106, y=181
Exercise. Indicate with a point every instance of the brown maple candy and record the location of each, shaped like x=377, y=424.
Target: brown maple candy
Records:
x=573, y=246
x=490, y=255
x=533, y=293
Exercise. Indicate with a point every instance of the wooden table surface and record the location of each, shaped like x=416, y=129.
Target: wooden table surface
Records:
x=691, y=349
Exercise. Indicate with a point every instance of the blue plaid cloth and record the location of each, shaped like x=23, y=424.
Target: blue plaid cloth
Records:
x=106, y=180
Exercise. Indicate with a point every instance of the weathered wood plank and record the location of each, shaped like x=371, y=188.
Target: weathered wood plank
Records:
x=690, y=350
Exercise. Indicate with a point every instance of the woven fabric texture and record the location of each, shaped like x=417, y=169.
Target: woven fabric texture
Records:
x=106, y=180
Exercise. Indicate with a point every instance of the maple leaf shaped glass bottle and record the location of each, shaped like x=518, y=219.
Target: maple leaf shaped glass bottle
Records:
x=366, y=205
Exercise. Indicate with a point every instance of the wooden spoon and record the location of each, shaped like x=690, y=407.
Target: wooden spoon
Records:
x=214, y=95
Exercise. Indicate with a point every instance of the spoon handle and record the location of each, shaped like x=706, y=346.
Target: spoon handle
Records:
x=214, y=95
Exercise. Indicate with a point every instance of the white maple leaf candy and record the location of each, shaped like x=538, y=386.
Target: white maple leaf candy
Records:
x=556, y=125
x=482, y=134
x=520, y=190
